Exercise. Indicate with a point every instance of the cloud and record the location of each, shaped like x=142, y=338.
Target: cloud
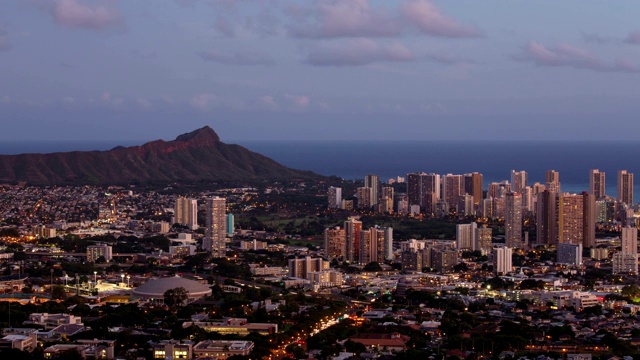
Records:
x=111, y=100
x=633, y=38
x=425, y=16
x=73, y=13
x=5, y=44
x=268, y=102
x=358, y=18
x=241, y=57
x=564, y=55
x=357, y=52
x=224, y=27
x=143, y=103
x=353, y=18
x=297, y=102
x=595, y=38
x=204, y=101
x=208, y=101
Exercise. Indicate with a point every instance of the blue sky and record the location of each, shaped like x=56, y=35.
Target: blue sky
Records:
x=324, y=70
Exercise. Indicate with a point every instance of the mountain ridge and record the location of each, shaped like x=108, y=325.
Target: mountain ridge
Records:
x=199, y=155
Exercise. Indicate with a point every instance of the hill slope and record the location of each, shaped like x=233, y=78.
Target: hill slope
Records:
x=196, y=156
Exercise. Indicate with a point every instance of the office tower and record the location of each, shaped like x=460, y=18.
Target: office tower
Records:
x=186, y=212
x=373, y=182
x=230, y=224
x=473, y=186
x=335, y=245
x=570, y=254
x=423, y=190
x=365, y=197
x=552, y=178
x=625, y=187
x=334, y=195
x=452, y=187
x=214, y=238
x=465, y=205
x=518, y=180
x=466, y=236
x=597, y=185
x=353, y=228
x=483, y=240
x=502, y=260
x=513, y=220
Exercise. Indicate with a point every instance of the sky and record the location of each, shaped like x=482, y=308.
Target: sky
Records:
x=319, y=70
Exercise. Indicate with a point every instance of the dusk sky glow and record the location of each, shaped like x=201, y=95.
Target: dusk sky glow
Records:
x=320, y=70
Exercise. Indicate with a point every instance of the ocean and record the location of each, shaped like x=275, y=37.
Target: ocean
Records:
x=389, y=159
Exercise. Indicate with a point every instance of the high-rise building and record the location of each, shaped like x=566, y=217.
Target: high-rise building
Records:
x=622, y=263
x=527, y=199
x=99, y=250
x=214, y=238
x=301, y=267
x=625, y=187
x=546, y=217
x=230, y=224
x=335, y=245
x=466, y=236
x=473, y=186
x=629, y=240
x=373, y=182
x=502, y=260
x=597, y=185
x=387, y=192
x=334, y=195
x=518, y=180
x=513, y=220
x=185, y=212
x=570, y=254
x=566, y=218
x=465, y=205
x=452, y=188
x=376, y=244
x=365, y=197
x=353, y=229
x=423, y=190
x=626, y=261
x=552, y=178
x=483, y=240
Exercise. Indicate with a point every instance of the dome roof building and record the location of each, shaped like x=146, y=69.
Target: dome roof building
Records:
x=155, y=289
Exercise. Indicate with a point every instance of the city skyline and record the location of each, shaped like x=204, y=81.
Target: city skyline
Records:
x=277, y=69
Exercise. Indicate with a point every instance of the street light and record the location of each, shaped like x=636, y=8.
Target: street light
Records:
x=122, y=276
x=128, y=277
x=95, y=279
